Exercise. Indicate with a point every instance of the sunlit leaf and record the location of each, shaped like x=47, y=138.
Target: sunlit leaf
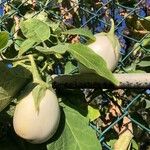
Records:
x=134, y=145
x=60, y=48
x=76, y=135
x=4, y=37
x=69, y=67
x=93, y=113
x=25, y=46
x=144, y=64
x=35, y=29
x=91, y=60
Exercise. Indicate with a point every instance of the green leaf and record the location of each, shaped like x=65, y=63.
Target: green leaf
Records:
x=134, y=145
x=4, y=37
x=81, y=31
x=147, y=103
x=54, y=25
x=25, y=46
x=93, y=113
x=69, y=67
x=91, y=60
x=38, y=94
x=136, y=71
x=76, y=135
x=144, y=23
x=18, y=43
x=12, y=80
x=145, y=44
x=60, y=49
x=144, y=64
x=35, y=30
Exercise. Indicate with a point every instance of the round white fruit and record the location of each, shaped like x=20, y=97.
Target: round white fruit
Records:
x=107, y=46
x=37, y=126
x=104, y=48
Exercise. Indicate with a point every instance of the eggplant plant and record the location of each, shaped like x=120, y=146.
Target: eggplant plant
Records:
x=39, y=44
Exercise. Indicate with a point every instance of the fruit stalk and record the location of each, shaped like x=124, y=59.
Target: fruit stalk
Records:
x=36, y=76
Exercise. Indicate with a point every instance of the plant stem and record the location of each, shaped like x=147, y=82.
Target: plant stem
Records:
x=112, y=29
x=36, y=76
x=3, y=58
x=46, y=3
x=44, y=67
x=36, y=79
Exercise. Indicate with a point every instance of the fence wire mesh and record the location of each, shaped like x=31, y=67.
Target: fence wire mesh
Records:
x=132, y=26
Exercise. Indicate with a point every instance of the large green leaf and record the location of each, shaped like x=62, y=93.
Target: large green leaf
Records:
x=91, y=60
x=76, y=135
x=12, y=80
x=25, y=46
x=81, y=31
x=35, y=29
x=60, y=48
x=4, y=37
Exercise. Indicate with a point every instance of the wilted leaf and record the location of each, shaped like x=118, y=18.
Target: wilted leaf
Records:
x=125, y=136
x=35, y=29
x=145, y=23
x=138, y=27
x=81, y=31
x=91, y=60
x=4, y=37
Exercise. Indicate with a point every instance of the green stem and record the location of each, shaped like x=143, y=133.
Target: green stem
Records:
x=17, y=59
x=44, y=67
x=46, y=2
x=54, y=35
x=36, y=76
x=22, y=64
x=112, y=29
x=44, y=44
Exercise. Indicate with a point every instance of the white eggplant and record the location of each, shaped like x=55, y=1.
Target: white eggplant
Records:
x=107, y=46
x=37, y=126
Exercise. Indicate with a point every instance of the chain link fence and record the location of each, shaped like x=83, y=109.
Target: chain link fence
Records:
x=132, y=26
